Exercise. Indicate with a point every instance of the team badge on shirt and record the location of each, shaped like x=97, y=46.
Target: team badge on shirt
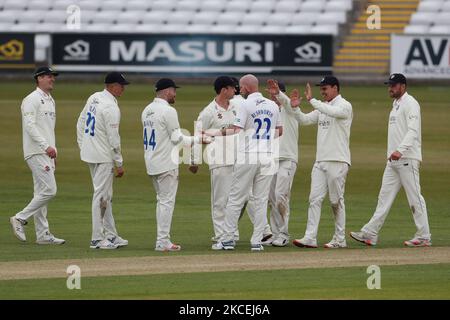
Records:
x=219, y=115
x=42, y=101
x=234, y=112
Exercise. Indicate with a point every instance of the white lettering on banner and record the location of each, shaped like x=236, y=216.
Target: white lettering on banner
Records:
x=119, y=51
x=227, y=51
x=192, y=51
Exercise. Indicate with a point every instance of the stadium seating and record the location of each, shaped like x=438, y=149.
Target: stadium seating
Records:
x=431, y=17
x=168, y=16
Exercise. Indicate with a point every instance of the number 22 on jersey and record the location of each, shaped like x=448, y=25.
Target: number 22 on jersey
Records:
x=90, y=124
x=149, y=141
x=259, y=123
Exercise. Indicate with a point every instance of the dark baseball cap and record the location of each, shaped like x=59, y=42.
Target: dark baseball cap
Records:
x=44, y=70
x=282, y=86
x=116, y=77
x=223, y=82
x=328, y=80
x=396, y=78
x=165, y=83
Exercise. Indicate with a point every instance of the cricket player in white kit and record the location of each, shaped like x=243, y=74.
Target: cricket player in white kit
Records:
x=99, y=142
x=219, y=115
x=258, y=123
x=162, y=137
x=334, y=119
x=404, y=154
x=280, y=187
x=39, y=148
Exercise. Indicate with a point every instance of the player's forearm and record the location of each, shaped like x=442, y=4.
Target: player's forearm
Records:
x=80, y=130
x=177, y=137
x=305, y=119
x=408, y=141
x=35, y=135
x=335, y=111
x=117, y=157
x=285, y=101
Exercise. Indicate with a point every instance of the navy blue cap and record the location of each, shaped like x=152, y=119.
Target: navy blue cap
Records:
x=165, y=83
x=328, y=80
x=396, y=78
x=116, y=77
x=44, y=70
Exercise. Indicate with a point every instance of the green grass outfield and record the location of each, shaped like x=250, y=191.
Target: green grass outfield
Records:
x=134, y=198
x=397, y=282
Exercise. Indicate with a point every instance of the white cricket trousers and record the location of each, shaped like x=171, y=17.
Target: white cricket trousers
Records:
x=43, y=171
x=247, y=177
x=221, y=181
x=404, y=172
x=103, y=225
x=279, y=198
x=166, y=185
x=327, y=176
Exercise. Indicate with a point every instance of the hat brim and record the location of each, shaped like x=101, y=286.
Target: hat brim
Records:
x=393, y=82
x=325, y=84
x=46, y=72
x=176, y=87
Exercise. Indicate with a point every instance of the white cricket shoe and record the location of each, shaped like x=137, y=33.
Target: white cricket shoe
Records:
x=94, y=244
x=417, y=242
x=364, y=237
x=165, y=248
x=120, y=242
x=257, y=247
x=48, y=238
x=305, y=243
x=280, y=242
x=335, y=243
x=106, y=244
x=18, y=229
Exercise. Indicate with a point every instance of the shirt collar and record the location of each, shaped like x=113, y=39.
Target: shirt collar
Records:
x=255, y=95
x=43, y=94
x=220, y=108
x=159, y=100
x=109, y=95
x=401, y=98
x=334, y=99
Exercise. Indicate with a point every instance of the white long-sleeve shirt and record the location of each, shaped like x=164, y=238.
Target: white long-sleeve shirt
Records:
x=162, y=135
x=404, y=132
x=38, y=123
x=289, y=139
x=334, y=120
x=222, y=151
x=98, y=130
x=258, y=117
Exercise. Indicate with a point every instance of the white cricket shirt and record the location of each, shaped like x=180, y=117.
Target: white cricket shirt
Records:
x=404, y=132
x=38, y=123
x=258, y=117
x=222, y=151
x=289, y=139
x=334, y=120
x=98, y=130
x=162, y=135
